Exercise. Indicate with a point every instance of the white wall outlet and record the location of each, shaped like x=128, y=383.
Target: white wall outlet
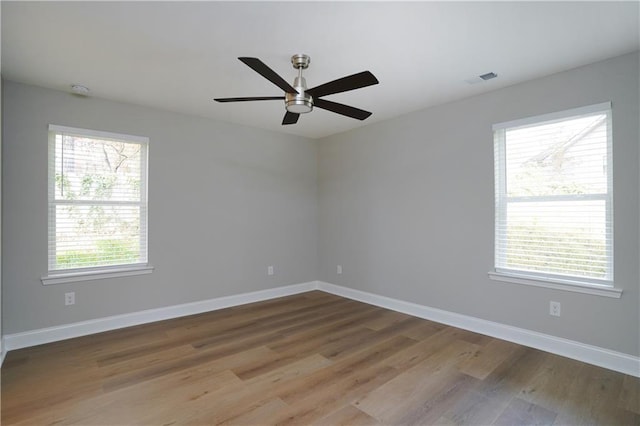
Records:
x=339, y=269
x=270, y=270
x=554, y=308
x=70, y=298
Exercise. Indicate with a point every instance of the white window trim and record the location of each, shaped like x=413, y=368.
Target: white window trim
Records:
x=104, y=272
x=603, y=288
x=557, y=284
x=98, y=134
x=96, y=274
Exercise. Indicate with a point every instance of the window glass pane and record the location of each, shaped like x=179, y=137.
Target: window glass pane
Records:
x=95, y=169
x=97, y=235
x=566, y=238
x=558, y=158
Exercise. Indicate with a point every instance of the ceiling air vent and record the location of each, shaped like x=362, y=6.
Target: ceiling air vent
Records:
x=481, y=78
x=488, y=76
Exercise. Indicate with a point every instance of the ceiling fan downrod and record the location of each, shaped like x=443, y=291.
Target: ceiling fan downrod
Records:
x=301, y=102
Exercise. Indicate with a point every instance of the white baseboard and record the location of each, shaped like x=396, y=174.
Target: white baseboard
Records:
x=606, y=358
x=595, y=355
x=68, y=331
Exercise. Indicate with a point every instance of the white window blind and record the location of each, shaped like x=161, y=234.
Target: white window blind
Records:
x=97, y=200
x=554, y=196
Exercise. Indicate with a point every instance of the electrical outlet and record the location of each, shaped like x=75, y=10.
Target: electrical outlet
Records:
x=339, y=269
x=70, y=298
x=270, y=270
x=554, y=308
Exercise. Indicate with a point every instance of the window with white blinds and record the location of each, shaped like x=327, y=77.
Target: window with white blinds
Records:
x=97, y=200
x=553, y=194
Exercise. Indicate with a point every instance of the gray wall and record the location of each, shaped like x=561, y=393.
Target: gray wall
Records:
x=224, y=203
x=407, y=205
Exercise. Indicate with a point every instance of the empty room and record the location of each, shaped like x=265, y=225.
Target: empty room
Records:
x=327, y=213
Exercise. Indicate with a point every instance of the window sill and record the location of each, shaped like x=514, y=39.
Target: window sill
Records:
x=557, y=284
x=61, y=278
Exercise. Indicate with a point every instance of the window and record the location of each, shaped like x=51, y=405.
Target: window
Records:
x=553, y=197
x=97, y=202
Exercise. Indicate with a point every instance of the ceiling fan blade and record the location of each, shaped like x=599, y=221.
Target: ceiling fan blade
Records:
x=344, y=84
x=258, y=66
x=290, y=118
x=347, y=110
x=255, y=98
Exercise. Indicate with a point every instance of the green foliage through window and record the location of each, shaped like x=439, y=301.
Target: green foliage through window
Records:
x=105, y=252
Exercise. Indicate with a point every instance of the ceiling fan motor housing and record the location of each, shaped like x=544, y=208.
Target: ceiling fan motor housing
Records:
x=301, y=61
x=301, y=102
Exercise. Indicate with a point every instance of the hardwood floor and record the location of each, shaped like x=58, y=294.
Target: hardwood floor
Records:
x=312, y=358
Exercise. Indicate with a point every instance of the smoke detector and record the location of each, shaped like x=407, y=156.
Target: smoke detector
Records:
x=78, y=89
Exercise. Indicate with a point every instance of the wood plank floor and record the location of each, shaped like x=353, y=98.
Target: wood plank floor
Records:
x=312, y=358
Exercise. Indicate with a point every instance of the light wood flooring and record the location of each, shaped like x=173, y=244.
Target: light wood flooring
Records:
x=312, y=358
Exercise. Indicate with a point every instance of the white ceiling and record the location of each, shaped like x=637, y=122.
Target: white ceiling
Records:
x=178, y=56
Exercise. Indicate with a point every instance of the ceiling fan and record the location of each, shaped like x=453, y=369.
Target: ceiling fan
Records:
x=300, y=100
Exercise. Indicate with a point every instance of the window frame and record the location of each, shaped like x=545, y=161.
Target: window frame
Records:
x=58, y=276
x=602, y=287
